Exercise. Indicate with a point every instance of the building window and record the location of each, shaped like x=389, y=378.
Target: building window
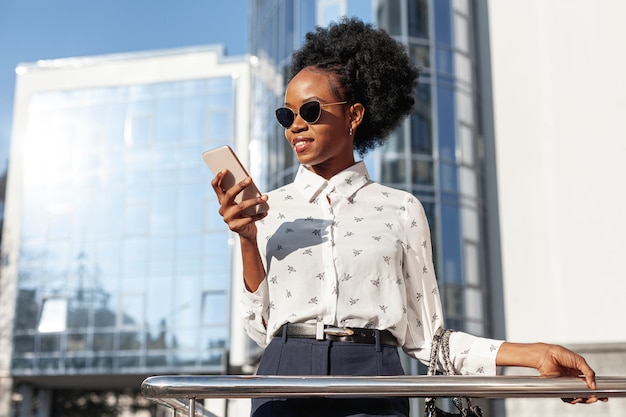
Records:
x=53, y=315
x=418, y=18
x=214, y=307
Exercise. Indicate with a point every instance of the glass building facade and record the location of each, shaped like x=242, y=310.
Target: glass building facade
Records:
x=434, y=154
x=122, y=257
x=121, y=262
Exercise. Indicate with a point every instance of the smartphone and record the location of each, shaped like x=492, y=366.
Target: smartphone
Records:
x=224, y=157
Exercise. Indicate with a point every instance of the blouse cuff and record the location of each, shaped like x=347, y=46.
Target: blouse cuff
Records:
x=474, y=355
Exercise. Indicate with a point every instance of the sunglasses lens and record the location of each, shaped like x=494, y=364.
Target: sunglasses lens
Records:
x=285, y=116
x=310, y=111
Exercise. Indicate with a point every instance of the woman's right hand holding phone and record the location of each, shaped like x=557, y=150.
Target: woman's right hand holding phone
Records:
x=233, y=213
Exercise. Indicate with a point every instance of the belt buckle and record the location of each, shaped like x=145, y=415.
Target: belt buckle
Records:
x=338, y=331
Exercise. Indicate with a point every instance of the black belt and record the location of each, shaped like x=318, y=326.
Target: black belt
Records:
x=337, y=334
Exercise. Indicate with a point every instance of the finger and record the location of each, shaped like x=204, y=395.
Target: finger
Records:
x=588, y=373
x=248, y=208
x=259, y=216
x=217, y=183
x=243, y=210
x=575, y=365
x=233, y=191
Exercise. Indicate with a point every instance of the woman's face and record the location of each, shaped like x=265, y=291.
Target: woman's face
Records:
x=326, y=146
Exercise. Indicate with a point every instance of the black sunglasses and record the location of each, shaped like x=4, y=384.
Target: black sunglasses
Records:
x=309, y=111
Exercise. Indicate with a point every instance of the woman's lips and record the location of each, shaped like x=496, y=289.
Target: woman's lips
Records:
x=301, y=144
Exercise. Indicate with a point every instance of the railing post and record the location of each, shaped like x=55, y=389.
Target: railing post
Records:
x=192, y=407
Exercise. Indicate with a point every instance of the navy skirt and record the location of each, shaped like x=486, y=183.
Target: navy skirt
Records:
x=295, y=356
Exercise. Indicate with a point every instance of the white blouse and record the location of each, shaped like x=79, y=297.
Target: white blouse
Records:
x=350, y=252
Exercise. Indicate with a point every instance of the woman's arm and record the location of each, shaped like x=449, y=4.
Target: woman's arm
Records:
x=253, y=270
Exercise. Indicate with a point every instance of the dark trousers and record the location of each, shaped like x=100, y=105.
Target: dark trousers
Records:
x=294, y=356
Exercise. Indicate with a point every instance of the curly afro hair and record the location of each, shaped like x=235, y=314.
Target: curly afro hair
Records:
x=371, y=68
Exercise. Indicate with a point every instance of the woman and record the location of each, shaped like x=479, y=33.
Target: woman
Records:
x=339, y=273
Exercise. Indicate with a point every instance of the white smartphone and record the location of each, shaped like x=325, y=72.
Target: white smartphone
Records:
x=224, y=157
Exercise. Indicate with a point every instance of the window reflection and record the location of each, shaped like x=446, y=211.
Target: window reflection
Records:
x=218, y=126
x=159, y=307
x=189, y=207
x=445, y=61
x=185, y=359
x=420, y=56
x=446, y=114
x=418, y=18
x=140, y=131
x=443, y=21
x=102, y=342
x=77, y=342
x=451, y=240
x=53, y=315
x=448, y=174
x=473, y=304
x=129, y=361
x=168, y=122
x=394, y=172
x=190, y=247
x=214, y=337
x=103, y=362
x=421, y=121
x=22, y=344
x=214, y=307
x=184, y=340
x=77, y=362
x=129, y=341
x=422, y=172
x=104, y=318
x=389, y=16
x=115, y=223
x=193, y=114
x=49, y=364
x=156, y=361
x=50, y=343
x=130, y=313
x=136, y=219
x=395, y=142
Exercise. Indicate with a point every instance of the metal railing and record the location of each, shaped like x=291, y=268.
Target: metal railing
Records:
x=181, y=392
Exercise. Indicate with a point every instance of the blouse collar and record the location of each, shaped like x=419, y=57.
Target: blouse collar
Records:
x=346, y=182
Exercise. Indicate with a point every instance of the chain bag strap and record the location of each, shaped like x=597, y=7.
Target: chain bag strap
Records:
x=441, y=342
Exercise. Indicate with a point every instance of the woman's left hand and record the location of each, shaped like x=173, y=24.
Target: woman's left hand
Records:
x=551, y=361
x=559, y=361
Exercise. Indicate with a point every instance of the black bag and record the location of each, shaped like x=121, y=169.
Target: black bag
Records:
x=441, y=341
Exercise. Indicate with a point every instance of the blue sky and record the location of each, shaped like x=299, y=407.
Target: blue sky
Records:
x=31, y=30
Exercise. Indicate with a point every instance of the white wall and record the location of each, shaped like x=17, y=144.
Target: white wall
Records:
x=560, y=124
x=559, y=95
